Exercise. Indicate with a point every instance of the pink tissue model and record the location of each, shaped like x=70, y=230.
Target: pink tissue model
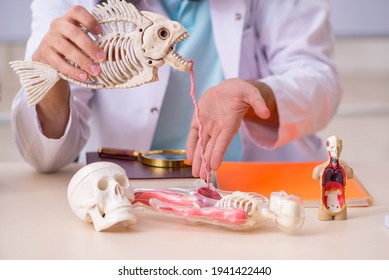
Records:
x=333, y=175
x=234, y=210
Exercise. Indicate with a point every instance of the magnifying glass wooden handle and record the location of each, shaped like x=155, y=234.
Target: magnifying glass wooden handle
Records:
x=118, y=153
x=155, y=158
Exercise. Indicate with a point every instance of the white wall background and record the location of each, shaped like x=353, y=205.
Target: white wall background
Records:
x=349, y=17
x=360, y=17
x=15, y=18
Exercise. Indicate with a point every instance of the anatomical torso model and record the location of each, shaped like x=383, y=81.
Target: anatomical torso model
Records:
x=333, y=175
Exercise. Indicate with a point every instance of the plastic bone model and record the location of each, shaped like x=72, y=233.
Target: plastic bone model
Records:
x=101, y=193
x=136, y=45
x=234, y=210
x=333, y=175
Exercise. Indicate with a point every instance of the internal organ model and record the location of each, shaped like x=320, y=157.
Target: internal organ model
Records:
x=333, y=175
x=234, y=210
x=136, y=45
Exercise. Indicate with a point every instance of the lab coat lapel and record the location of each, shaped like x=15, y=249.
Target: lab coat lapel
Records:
x=227, y=23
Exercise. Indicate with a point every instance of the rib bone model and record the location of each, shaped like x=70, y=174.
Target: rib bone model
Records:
x=136, y=45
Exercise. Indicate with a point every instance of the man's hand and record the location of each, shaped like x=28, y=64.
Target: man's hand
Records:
x=222, y=108
x=66, y=41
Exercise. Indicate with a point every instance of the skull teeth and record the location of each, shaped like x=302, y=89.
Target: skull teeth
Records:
x=181, y=38
x=175, y=54
x=123, y=207
x=179, y=58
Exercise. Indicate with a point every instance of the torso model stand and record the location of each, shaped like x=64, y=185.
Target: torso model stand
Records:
x=333, y=175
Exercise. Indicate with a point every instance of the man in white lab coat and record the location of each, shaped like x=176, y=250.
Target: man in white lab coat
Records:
x=266, y=82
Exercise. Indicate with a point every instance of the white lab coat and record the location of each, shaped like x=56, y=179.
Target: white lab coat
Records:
x=286, y=44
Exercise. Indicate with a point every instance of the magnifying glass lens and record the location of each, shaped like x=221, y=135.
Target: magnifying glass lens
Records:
x=167, y=156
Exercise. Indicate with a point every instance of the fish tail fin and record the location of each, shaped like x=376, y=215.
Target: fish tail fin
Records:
x=37, y=79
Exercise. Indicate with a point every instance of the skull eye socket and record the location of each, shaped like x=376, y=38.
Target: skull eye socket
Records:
x=102, y=184
x=163, y=33
x=122, y=180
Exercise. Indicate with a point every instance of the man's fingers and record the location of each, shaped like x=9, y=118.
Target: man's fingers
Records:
x=83, y=42
x=70, y=27
x=72, y=53
x=260, y=108
x=219, y=149
x=191, y=143
x=206, y=161
x=78, y=14
x=58, y=62
x=255, y=100
x=199, y=166
x=196, y=161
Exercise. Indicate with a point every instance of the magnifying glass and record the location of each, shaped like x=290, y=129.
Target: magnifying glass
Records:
x=156, y=158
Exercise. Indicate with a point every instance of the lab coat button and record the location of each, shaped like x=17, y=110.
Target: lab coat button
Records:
x=238, y=16
x=154, y=110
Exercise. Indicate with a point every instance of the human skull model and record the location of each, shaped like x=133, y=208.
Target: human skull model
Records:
x=334, y=146
x=100, y=192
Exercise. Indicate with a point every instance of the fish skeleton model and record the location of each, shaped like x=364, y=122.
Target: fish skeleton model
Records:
x=136, y=45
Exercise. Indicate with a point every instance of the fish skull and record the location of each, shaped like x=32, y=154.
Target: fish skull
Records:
x=159, y=40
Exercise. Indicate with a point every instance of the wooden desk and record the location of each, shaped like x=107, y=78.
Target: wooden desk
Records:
x=37, y=223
